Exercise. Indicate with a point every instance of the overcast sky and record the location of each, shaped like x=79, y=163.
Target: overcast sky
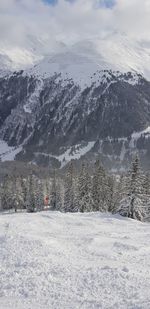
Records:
x=71, y=20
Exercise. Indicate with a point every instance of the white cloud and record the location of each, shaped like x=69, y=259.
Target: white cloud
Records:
x=68, y=22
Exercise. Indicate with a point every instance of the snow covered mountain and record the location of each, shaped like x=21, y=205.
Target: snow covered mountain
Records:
x=86, y=99
x=81, y=60
x=114, y=51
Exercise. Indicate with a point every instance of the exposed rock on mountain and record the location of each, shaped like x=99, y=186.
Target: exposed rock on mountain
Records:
x=56, y=119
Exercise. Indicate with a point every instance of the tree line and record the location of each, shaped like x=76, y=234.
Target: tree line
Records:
x=79, y=191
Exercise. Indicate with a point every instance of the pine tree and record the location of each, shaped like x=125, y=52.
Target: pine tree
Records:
x=24, y=191
x=39, y=195
x=0, y=198
x=146, y=185
x=69, y=195
x=18, y=202
x=146, y=198
x=111, y=194
x=60, y=192
x=53, y=194
x=84, y=190
x=120, y=191
x=100, y=189
x=31, y=200
x=132, y=203
x=6, y=193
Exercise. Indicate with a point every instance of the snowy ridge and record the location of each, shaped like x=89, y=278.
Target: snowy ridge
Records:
x=115, y=51
x=83, y=61
x=90, y=260
x=80, y=69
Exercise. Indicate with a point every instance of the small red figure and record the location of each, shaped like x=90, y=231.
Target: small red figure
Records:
x=46, y=200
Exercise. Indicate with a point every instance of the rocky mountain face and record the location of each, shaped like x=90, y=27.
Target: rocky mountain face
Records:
x=54, y=119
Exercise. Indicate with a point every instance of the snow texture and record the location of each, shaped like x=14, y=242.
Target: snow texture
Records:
x=8, y=153
x=74, y=154
x=82, y=67
x=137, y=135
x=115, y=51
x=68, y=261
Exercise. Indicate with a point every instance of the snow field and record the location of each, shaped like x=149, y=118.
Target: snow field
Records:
x=8, y=153
x=70, y=261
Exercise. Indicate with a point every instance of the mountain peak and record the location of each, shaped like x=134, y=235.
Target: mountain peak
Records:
x=112, y=51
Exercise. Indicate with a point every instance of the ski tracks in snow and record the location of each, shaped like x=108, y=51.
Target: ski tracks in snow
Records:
x=70, y=261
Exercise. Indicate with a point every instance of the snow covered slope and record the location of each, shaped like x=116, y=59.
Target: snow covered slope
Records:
x=8, y=153
x=81, y=60
x=68, y=261
x=51, y=117
x=115, y=51
x=78, y=93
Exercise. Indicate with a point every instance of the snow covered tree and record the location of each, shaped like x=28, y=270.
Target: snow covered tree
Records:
x=146, y=197
x=84, y=190
x=24, y=191
x=7, y=193
x=119, y=191
x=39, y=194
x=100, y=189
x=60, y=193
x=31, y=200
x=17, y=192
x=69, y=190
x=132, y=203
x=53, y=194
x=111, y=189
x=146, y=185
x=1, y=197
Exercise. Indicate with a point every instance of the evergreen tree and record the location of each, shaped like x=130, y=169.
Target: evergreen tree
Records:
x=17, y=194
x=24, y=191
x=31, y=200
x=146, y=198
x=100, y=189
x=0, y=196
x=6, y=193
x=60, y=195
x=132, y=203
x=53, y=194
x=69, y=194
x=119, y=191
x=111, y=194
x=84, y=190
x=39, y=195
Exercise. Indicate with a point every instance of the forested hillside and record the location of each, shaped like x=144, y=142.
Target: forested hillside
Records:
x=86, y=189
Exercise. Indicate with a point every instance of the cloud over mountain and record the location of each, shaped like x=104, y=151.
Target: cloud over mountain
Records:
x=26, y=25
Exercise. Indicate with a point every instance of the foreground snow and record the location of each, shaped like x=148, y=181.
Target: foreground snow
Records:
x=69, y=261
